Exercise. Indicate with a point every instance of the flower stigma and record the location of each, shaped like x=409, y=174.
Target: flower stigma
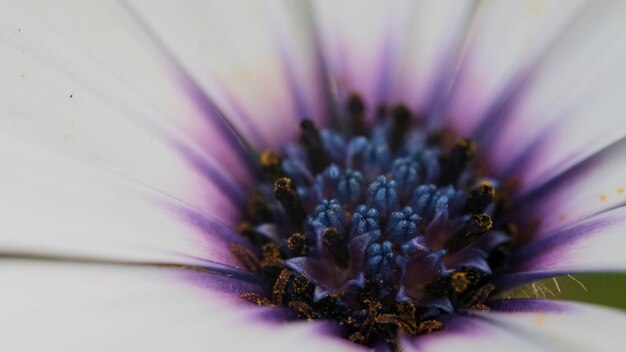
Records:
x=383, y=228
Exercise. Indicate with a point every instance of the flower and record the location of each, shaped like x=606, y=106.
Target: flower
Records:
x=127, y=130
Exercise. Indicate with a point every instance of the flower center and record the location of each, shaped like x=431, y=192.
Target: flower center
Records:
x=382, y=229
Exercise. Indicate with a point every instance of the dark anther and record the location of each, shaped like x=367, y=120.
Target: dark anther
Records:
x=287, y=195
x=459, y=157
x=260, y=212
x=337, y=246
x=303, y=309
x=270, y=164
x=310, y=138
x=466, y=278
x=248, y=232
x=498, y=257
x=480, y=296
x=474, y=228
x=428, y=326
x=479, y=198
x=356, y=111
x=301, y=285
x=280, y=287
x=459, y=281
x=272, y=257
x=249, y=260
x=256, y=299
x=401, y=122
x=331, y=308
x=296, y=244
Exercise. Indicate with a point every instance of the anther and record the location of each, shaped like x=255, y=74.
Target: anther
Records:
x=429, y=326
x=249, y=260
x=270, y=165
x=480, y=296
x=310, y=138
x=296, y=244
x=337, y=245
x=459, y=157
x=459, y=281
x=356, y=111
x=286, y=193
x=271, y=256
x=280, y=286
x=474, y=228
x=401, y=122
x=302, y=308
x=479, y=198
x=256, y=299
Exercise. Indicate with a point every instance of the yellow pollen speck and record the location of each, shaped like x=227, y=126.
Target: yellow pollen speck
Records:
x=539, y=319
x=603, y=197
x=459, y=281
x=621, y=190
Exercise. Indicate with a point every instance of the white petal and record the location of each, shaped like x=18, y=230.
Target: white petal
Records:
x=471, y=334
x=430, y=49
x=361, y=46
x=109, y=33
x=56, y=96
x=505, y=41
x=593, y=186
x=230, y=49
x=531, y=325
x=61, y=307
x=57, y=205
x=565, y=326
x=569, y=106
x=595, y=244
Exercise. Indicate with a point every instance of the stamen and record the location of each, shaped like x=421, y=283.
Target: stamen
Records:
x=310, y=138
x=287, y=195
x=401, y=122
x=479, y=198
x=481, y=295
x=429, y=326
x=457, y=161
x=280, y=286
x=474, y=228
x=303, y=309
x=249, y=260
x=296, y=243
x=270, y=165
x=459, y=281
x=337, y=245
x=256, y=299
x=356, y=111
x=271, y=256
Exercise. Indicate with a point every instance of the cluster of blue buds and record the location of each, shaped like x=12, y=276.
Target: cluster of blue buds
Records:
x=382, y=230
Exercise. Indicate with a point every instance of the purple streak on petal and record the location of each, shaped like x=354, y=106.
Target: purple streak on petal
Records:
x=526, y=305
x=214, y=115
x=497, y=116
x=217, y=175
x=223, y=278
x=553, y=247
x=569, y=173
x=447, y=72
x=218, y=237
x=332, y=100
x=303, y=109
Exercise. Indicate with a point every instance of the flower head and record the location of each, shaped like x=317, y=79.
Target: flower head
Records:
x=380, y=173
